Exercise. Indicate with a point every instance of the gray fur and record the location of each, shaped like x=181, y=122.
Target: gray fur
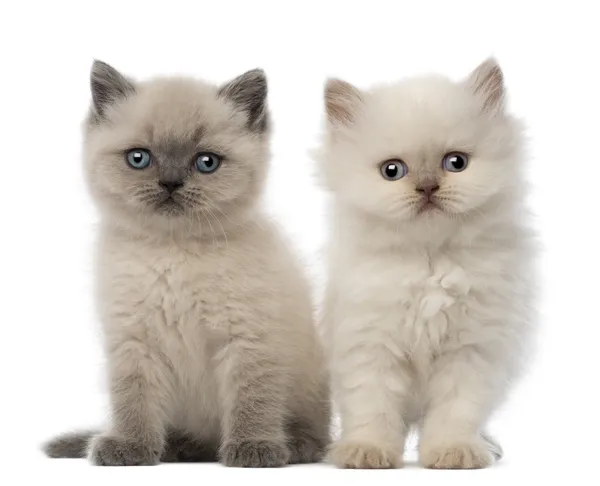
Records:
x=72, y=445
x=307, y=441
x=182, y=447
x=108, y=87
x=254, y=453
x=179, y=447
x=306, y=444
x=118, y=451
x=206, y=314
x=248, y=93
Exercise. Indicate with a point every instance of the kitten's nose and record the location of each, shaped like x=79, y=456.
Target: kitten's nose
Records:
x=171, y=186
x=428, y=188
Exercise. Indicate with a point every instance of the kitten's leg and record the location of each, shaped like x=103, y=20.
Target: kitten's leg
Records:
x=253, y=388
x=182, y=447
x=140, y=390
x=309, y=434
x=461, y=393
x=307, y=442
x=308, y=428
x=372, y=382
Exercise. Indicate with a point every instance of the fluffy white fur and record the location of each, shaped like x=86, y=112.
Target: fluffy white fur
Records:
x=428, y=311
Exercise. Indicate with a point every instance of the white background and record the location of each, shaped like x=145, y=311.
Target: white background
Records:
x=51, y=361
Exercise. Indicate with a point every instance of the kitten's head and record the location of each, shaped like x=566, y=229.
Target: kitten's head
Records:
x=422, y=149
x=170, y=151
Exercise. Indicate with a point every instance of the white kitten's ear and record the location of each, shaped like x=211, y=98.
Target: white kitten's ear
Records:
x=487, y=83
x=108, y=87
x=342, y=101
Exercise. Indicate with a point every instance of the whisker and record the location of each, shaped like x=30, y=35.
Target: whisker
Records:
x=213, y=206
x=211, y=228
x=219, y=222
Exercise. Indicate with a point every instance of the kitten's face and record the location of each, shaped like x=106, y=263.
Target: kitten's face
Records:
x=174, y=150
x=424, y=148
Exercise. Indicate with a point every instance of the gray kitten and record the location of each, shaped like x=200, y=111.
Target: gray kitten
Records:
x=208, y=324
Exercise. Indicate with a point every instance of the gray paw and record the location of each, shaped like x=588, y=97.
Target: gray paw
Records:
x=115, y=451
x=254, y=453
x=306, y=450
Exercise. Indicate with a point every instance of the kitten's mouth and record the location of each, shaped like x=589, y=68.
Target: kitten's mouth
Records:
x=428, y=207
x=169, y=207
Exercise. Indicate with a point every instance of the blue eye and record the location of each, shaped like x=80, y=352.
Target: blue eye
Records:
x=393, y=169
x=207, y=162
x=138, y=158
x=455, y=162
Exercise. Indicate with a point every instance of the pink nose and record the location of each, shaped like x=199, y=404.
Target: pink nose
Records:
x=428, y=188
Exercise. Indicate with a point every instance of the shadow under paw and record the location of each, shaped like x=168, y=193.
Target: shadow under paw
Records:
x=254, y=453
x=116, y=451
x=184, y=448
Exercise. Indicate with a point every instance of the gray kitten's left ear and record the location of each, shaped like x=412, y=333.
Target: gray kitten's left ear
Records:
x=108, y=87
x=248, y=93
x=487, y=83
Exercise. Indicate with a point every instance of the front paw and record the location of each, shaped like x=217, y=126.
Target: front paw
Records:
x=116, y=451
x=364, y=455
x=469, y=454
x=254, y=453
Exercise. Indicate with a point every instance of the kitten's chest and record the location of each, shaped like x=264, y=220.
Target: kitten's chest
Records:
x=431, y=286
x=427, y=301
x=448, y=300
x=433, y=299
x=188, y=289
x=175, y=293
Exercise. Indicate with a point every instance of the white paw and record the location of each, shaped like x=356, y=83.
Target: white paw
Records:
x=462, y=454
x=364, y=455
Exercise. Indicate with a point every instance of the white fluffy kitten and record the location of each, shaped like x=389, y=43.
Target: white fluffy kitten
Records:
x=428, y=306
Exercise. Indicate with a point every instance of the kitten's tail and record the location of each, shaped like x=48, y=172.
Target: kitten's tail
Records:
x=70, y=445
x=494, y=447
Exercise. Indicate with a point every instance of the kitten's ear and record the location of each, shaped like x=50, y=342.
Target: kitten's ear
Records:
x=486, y=81
x=342, y=101
x=248, y=93
x=108, y=87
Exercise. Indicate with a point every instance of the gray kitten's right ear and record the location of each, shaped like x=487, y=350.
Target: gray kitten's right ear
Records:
x=108, y=86
x=248, y=93
x=342, y=101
